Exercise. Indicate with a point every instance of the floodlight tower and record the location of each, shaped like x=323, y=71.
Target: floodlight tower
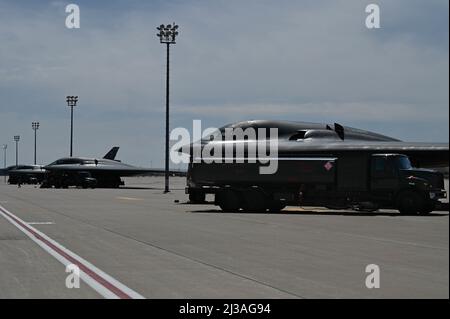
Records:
x=167, y=36
x=17, y=139
x=71, y=102
x=35, y=127
x=5, y=146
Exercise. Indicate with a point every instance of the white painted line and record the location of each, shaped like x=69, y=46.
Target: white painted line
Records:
x=129, y=198
x=40, y=223
x=101, y=282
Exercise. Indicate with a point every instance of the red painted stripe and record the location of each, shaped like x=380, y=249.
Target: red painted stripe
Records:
x=117, y=291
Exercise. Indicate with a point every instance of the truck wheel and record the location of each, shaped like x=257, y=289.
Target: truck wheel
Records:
x=254, y=201
x=410, y=202
x=45, y=185
x=197, y=197
x=428, y=208
x=229, y=201
x=276, y=206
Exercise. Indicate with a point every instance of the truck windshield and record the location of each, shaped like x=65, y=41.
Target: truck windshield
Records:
x=403, y=162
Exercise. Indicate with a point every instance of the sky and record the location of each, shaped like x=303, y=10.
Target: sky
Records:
x=234, y=60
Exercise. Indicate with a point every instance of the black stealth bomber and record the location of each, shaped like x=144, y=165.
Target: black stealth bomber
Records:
x=304, y=138
x=25, y=174
x=314, y=165
x=92, y=172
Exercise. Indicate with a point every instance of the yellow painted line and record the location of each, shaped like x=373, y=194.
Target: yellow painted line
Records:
x=129, y=198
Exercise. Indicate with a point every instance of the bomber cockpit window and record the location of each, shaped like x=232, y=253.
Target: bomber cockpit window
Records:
x=68, y=161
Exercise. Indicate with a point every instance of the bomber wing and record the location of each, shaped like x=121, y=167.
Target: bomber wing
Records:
x=421, y=154
x=303, y=138
x=116, y=169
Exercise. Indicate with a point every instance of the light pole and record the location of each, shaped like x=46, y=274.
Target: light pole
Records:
x=5, y=146
x=17, y=139
x=35, y=126
x=167, y=36
x=71, y=102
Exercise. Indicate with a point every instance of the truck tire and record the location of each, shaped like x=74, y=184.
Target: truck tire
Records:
x=254, y=201
x=410, y=202
x=228, y=200
x=197, y=197
x=366, y=207
x=276, y=206
x=428, y=208
x=45, y=184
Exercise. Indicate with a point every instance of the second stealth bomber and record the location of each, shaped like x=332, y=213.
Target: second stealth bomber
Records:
x=91, y=172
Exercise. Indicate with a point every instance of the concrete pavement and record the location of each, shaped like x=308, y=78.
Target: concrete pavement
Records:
x=164, y=249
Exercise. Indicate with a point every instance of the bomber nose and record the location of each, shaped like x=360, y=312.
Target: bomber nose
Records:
x=191, y=148
x=186, y=149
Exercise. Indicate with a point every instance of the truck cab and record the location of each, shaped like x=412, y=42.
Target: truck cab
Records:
x=411, y=190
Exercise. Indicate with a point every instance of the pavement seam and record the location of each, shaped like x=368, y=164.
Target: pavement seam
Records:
x=165, y=249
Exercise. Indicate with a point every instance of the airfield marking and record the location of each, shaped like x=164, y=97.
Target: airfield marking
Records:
x=129, y=198
x=40, y=223
x=98, y=280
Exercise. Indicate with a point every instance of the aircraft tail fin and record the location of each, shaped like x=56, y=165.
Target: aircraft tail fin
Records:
x=339, y=129
x=111, y=155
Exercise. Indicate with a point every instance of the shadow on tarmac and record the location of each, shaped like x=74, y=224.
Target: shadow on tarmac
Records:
x=321, y=213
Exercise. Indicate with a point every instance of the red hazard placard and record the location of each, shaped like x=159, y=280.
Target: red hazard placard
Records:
x=328, y=166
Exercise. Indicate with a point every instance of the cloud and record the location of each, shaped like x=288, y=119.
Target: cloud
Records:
x=234, y=60
x=352, y=111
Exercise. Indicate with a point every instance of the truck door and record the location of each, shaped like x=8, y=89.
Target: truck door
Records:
x=352, y=172
x=384, y=174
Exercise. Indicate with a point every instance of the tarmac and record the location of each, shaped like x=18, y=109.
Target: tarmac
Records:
x=137, y=242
